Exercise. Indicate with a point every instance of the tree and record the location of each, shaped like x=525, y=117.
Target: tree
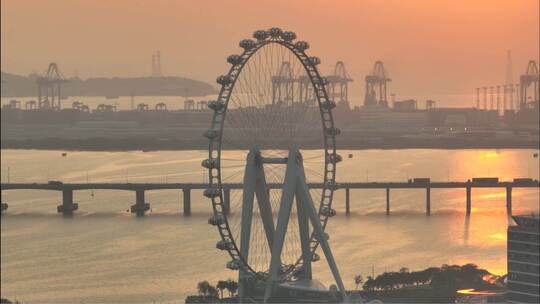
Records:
x=221, y=285
x=447, y=277
x=369, y=284
x=212, y=292
x=358, y=280
x=203, y=288
x=404, y=270
x=232, y=287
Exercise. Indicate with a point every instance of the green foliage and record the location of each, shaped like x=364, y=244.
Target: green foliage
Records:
x=221, y=285
x=208, y=293
x=448, y=277
x=232, y=287
x=203, y=288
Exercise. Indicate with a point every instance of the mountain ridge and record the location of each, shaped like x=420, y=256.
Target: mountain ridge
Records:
x=25, y=86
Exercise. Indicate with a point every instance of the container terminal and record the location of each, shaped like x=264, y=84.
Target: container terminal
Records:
x=503, y=116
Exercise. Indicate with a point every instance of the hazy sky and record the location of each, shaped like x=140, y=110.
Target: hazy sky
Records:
x=428, y=47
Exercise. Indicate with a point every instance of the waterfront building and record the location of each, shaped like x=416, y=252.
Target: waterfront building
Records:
x=523, y=260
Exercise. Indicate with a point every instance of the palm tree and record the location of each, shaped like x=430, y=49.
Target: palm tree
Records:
x=212, y=292
x=232, y=287
x=358, y=279
x=221, y=285
x=203, y=288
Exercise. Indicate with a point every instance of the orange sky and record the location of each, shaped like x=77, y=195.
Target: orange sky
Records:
x=428, y=46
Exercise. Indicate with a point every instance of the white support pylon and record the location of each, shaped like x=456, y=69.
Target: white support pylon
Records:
x=294, y=187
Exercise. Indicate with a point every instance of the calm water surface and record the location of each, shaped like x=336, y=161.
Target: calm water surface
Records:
x=104, y=254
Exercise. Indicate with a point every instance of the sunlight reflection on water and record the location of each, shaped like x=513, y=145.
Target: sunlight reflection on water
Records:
x=104, y=254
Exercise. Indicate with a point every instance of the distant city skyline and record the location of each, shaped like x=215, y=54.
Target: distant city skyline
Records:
x=428, y=47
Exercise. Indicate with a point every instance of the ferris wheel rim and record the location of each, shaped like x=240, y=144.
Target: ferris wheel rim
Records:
x=220, y=106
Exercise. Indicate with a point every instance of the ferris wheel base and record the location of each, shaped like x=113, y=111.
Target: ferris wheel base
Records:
x=301, y=291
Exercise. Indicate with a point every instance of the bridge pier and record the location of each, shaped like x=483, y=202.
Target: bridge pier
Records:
x=387, y=201
x=509, y=200
x=428, y=201
x=468, y=200
x=67, y=206
x=227, y=200
x=140, y=206
x=347, y=201
x=3, y=206
x=187, y=201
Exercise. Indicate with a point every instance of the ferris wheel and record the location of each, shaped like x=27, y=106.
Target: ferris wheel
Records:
x=272, y=134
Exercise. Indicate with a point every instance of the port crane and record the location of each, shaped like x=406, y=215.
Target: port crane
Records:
x=376, y=86
x=338, y=85
x=49, y=88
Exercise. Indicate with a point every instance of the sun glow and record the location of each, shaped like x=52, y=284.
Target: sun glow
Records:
x=494, y=195
x=498, y=236
x=489, y=154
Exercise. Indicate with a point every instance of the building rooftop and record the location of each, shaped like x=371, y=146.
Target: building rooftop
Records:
x=527, y=222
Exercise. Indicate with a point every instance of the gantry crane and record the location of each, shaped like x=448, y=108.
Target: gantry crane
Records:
x=49, y=88
x=376, y=86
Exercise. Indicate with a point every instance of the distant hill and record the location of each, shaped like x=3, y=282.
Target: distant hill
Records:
x=22, y=86
x=17, y=86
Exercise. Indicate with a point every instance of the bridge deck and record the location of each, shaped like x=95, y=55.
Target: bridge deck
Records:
x=141, y=206
x=195, y=186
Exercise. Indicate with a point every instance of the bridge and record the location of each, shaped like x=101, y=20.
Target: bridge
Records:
x=141, y=206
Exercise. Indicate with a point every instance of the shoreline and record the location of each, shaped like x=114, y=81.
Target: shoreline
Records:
x=147, y=145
